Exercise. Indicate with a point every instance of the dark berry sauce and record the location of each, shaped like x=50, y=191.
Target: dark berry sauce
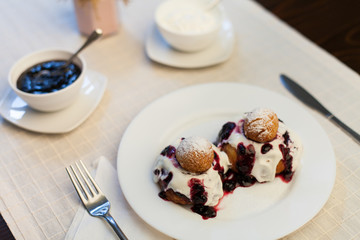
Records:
x=168, y=179
x=225, y=131
x=205, y=211
x=162, y=194
x=38, y=79
x=169, y=152
x=266, y=148
x=233, y=180
x=156, y=172
x=287, y=159
x=286, y=138
x=246, y=158
x=198, y=197
x=217, y=166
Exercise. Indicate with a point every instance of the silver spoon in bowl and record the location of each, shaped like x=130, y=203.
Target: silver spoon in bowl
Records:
x=92, y=37
x=97, y=33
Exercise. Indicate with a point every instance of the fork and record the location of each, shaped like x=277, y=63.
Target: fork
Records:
x=91, y=196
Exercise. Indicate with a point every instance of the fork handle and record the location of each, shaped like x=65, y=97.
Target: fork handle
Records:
x=115, y=227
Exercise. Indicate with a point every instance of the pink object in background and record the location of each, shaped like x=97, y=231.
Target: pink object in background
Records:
x=92, y=14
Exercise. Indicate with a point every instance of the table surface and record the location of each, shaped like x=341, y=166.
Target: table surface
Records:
x=332, y=25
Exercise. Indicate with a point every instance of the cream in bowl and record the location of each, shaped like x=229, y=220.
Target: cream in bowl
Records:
x=186, y=24
x=43, y=83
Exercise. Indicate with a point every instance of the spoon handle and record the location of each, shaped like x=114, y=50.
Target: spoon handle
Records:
x=93, y=36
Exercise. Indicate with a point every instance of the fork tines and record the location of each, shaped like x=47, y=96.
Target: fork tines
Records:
x=84, y=184
x=91, y=196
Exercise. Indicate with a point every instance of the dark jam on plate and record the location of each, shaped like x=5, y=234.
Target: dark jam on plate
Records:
x=198, y=196
x=231, y=179
x=246, y=159
x=39, y=80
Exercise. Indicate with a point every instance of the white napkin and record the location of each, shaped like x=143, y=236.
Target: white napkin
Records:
x=86, y=227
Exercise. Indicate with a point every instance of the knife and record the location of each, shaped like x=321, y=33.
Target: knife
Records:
x=309, y=100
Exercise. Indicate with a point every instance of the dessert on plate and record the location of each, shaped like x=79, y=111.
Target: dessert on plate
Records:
x=256, y=148
x=189, y=173
x=260, y=147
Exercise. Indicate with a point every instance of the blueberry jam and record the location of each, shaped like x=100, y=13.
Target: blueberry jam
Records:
x=242, y=157
x=286, y=138
x=38, y=79
x=287, y=174
x=226, y=131
x=287, y=159
x=157, y=172
x=246, y=159
x=169, y=152
x=232, y=180
x=162, y=195
x=217, y=166
x=205, y=211
x=168, y=179
x=198, y=196
x=266, y=148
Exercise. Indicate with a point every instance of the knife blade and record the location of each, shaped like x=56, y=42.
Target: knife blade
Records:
x=304, y=96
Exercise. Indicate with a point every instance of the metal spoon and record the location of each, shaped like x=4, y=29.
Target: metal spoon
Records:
x=92, y=37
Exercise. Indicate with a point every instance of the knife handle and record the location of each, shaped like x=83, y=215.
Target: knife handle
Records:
x=348, y=130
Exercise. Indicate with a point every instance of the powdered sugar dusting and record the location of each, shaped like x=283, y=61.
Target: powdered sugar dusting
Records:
x=181, y=177
x=261, y=121
x=197, y=145
x=259, y=113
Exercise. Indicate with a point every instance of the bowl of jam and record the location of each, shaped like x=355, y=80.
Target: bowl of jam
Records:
x=45, y=81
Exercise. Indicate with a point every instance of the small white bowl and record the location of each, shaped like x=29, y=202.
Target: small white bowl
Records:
x=47, y=102
x=186, y=25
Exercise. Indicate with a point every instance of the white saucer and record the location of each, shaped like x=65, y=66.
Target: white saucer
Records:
x=16, y=111
x=263, y=211
x=160, y=51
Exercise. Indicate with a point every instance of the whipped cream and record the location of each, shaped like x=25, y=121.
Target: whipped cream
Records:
x=188, y=18
x=181, y=178
x=264, y=168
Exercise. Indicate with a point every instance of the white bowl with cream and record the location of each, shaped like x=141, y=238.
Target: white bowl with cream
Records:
x=186, y=24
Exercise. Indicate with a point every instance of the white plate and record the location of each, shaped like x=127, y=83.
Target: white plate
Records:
x=160, y=51
x=263, y=211
x=16, y=111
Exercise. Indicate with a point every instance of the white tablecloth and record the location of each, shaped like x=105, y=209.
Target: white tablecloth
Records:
x=37, y=199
